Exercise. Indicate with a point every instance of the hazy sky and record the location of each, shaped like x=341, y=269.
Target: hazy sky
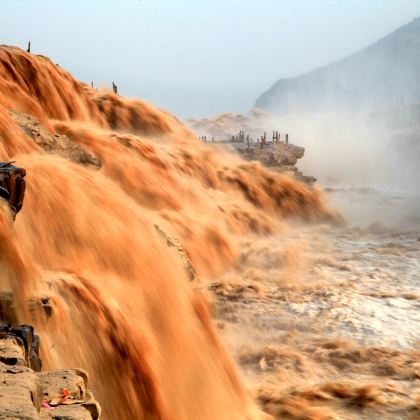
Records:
x=198, y=57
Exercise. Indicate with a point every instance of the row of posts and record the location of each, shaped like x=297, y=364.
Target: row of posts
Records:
x=204, y=139
x=114, y=86
x=261, y=141
x=276, y=137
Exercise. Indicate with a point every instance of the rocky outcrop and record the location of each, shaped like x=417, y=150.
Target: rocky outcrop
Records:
x=58, y=144
x=65, y=396
x=27, y=393
x=186, y=260
x=278, y=156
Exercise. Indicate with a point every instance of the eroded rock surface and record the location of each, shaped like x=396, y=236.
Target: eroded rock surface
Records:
x=66, y=392
x=20, y=393
x=58, y=144
x=26, y=394
x=172, y=242
x=279, y=156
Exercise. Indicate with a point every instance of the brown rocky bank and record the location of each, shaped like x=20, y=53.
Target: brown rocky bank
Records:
x=27, y=393
x=278, y=156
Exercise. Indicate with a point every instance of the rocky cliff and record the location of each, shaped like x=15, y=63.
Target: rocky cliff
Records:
x=27, y=393
x=278, y=156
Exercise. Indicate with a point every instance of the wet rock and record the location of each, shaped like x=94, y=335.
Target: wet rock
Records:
x=46, y=306
x=308, y=179
x=58, y=144
x=171, y=242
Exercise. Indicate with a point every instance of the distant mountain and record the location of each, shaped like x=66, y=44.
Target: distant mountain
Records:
x=383, y=74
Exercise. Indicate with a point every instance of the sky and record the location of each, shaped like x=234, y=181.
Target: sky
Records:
x=197, y=58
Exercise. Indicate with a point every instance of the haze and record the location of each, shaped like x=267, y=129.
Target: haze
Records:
x=197, y=58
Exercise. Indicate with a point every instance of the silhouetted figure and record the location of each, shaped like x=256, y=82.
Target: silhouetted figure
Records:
x=91, y=84
x=287, y=138
x=29, y=47
x=114, y=88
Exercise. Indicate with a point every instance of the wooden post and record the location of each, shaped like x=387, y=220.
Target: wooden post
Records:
x=29, y=47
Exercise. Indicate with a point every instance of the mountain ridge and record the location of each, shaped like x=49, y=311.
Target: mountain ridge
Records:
x=384, y=72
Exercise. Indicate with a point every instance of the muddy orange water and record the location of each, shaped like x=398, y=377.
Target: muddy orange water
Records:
x=89, y=237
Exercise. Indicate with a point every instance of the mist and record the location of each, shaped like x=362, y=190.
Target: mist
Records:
x=367, y=161
x=344, y=149
x=370, y=170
